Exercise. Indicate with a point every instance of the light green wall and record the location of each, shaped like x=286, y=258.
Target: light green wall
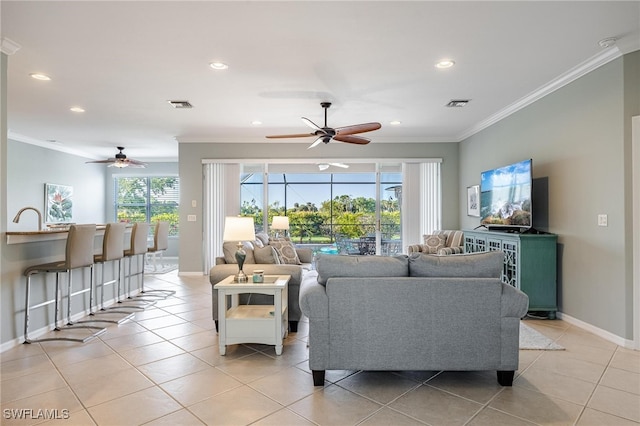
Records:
x=578, y=138
x=192, y=154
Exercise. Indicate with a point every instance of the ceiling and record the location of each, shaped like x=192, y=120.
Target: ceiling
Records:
x=122, y=61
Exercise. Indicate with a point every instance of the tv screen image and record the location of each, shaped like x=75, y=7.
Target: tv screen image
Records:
x=505, y=196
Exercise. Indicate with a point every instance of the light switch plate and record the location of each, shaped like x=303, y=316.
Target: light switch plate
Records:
x=191, y=218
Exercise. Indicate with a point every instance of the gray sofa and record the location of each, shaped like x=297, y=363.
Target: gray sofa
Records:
x=417, y=312
x=222, y=270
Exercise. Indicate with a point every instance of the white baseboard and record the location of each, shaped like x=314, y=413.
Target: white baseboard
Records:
x=191, y=274
x=613, y=338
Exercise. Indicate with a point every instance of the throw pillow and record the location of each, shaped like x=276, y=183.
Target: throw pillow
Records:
x=433, y=243
x=286, y=252
x=264, y=238
x=229, y=249
x=266, y=255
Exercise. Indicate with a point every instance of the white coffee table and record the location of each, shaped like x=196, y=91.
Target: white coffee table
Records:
x=266, y=324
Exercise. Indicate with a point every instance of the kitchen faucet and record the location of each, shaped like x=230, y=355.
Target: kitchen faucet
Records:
x=17, y=218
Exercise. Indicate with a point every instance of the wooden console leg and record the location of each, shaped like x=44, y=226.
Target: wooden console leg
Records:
x=293, y=326
x=318, y=377
x=505, y=378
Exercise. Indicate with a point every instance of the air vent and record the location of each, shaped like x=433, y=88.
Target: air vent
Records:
x=180, y=104
x=457, y=103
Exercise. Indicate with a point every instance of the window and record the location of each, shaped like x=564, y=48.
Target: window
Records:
x=148, y=199
x=325, y=206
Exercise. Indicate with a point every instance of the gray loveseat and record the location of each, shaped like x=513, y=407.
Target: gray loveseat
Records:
x=418, y=312
x=222, y=270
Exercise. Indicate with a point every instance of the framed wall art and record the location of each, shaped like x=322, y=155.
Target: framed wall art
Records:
x=58, y=202
x=473, y=201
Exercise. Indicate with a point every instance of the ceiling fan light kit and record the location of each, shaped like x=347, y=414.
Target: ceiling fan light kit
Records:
x=326, y=134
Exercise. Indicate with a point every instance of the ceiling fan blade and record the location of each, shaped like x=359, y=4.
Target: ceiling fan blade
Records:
x=352, y=139
x=299, y=135
x=311, y=124
x=316, y=142
x=135, y=162
x=109, y=160
x=357, y=128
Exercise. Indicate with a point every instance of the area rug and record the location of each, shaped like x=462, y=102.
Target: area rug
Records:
x=531, y=339
x=168, y=267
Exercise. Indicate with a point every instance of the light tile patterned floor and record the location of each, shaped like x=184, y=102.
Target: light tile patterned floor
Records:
x=163, y=367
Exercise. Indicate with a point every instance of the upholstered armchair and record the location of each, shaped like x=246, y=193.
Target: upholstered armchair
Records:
x=441, y=243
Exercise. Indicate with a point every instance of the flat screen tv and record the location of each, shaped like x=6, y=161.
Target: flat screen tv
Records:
x=505, y=196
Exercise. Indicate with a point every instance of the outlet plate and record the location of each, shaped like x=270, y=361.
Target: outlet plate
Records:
x=602, y=220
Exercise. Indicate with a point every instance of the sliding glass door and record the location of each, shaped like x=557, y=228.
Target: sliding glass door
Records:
x=358, y=212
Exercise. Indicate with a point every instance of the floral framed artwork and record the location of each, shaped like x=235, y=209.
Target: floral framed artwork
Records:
x=473, y=201
x=58, y=202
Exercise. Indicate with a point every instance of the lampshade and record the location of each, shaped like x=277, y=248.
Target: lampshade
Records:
x=238, y=229
x=280, y=222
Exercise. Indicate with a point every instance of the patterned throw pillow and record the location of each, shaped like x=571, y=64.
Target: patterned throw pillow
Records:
x=286, y=252
x=433, y=243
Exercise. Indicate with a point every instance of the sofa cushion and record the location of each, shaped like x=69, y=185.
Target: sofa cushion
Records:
x=229, y=249
x=473, y=265
x=331, y=266
x=433, y=243
x=266, y=255
x=286, y=252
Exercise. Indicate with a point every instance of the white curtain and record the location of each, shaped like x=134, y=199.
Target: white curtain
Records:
x=220, y=200
x=421, y=200
x=430, y=198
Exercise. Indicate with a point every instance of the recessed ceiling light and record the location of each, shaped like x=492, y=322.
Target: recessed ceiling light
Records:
x=445, y=63
x=76, y=109
x=395, y=122
x=256, y=122
x=218, y=65
x=39, y=76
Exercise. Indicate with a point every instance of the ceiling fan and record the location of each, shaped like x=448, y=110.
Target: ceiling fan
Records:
x=326, y=134
x=325, y=166
x=120, y=160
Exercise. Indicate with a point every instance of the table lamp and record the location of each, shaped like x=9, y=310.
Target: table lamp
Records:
x=280, y=223
x=239, y=229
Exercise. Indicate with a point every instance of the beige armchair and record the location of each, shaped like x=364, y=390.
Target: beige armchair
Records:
x=441, y=243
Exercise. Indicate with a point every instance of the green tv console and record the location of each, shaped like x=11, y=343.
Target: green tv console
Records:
x=530, y=263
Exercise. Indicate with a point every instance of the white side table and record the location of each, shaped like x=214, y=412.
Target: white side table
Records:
x=266, y=324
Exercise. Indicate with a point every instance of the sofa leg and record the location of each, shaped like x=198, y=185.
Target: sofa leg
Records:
x=216, y=321
x=318, y=377
x=293, y=326
x=505, y=378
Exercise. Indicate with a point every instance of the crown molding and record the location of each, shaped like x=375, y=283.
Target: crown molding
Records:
x=9, y=47
x=573, y=74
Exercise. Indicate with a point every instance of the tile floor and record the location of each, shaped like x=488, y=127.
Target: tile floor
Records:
x=163, y=367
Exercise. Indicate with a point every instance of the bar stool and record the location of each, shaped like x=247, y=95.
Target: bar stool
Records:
x=137, y=250
x=112, y=251
x=160, y=244
x=78, y=254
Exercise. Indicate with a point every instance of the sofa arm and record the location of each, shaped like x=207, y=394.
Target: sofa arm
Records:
x=314, y=302
x=514, y=303
x=305, y=255
x=451, y=250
